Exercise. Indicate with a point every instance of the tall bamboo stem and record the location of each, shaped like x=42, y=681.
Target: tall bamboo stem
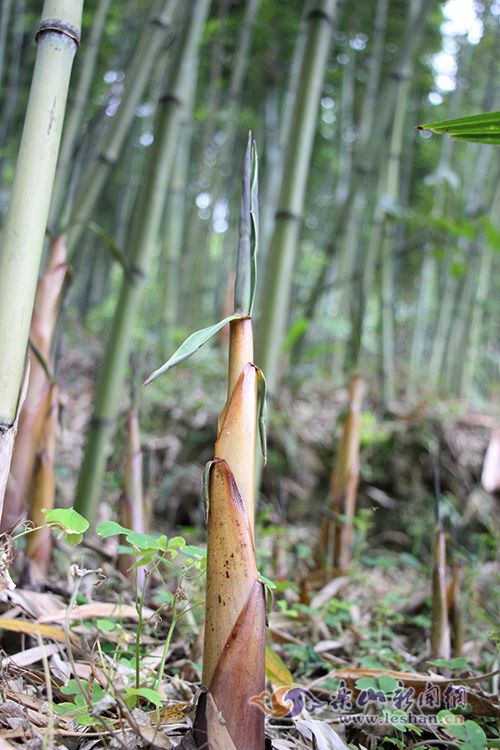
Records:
x=138, y=76
x=57, y=41
x=369, y=149
x=75, y=119
x=283, y=249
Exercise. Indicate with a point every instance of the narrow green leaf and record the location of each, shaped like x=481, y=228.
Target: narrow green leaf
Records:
x=297, y=330
x=262, y=412
x=243, y=282
x=267, y=581
x=190, y=346
x=481, y=128
x=205, y=488
x=492, y=139
x=111, y=245
x=41, y=361
x=254, y=215
x=489, y=119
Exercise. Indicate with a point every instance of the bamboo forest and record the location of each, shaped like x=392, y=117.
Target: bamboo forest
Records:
x=249, y=374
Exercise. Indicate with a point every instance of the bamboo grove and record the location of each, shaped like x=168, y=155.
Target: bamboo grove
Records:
x=130, y=219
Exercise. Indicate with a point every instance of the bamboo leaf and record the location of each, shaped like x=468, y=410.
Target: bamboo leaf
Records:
x=190, y=346
x=262, y=412
x=246, y=269
x=111, y=245
x=243, y=282
x=205, y=489
x=481, y=128
x=41, y=361
x=254, y=215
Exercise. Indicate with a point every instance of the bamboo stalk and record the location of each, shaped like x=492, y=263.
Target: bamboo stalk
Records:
x=57, y=41
x=14, y=70
x=138, y=76
x=4, y=24
x=145, y=224
x=75, y=119
x=373, y=139
x=482, y=286
x=392, y=196
x=34, y=414
x=278, y=278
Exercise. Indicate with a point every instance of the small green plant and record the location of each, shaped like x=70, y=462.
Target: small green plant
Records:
x=469, y=734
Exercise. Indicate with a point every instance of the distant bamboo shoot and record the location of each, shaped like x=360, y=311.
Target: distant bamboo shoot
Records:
x=33, y=416
x=337, y=531
x=132, y=501
x=39, y=542
x=440, y=627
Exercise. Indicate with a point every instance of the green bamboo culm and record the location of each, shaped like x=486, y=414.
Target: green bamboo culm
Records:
x=284, y=241
x=145, y=225
x=75, y=118
x=138, y=76
x=57, y=40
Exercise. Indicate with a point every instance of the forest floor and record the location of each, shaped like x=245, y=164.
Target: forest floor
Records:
x=94, y=661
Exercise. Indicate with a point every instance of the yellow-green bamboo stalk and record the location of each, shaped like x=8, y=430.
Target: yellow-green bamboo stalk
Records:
x=283, y=248
x=39, y=542
x=33, y=416
x=57, y=39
